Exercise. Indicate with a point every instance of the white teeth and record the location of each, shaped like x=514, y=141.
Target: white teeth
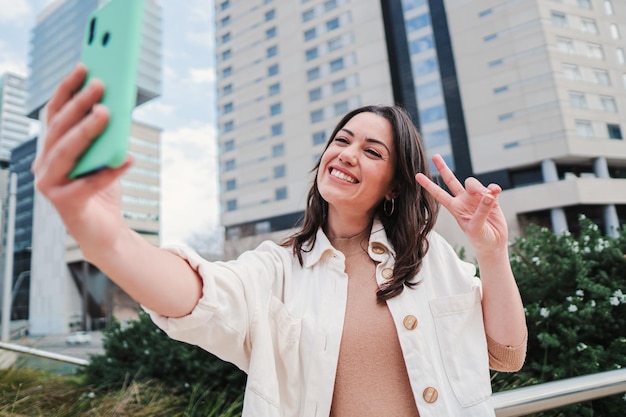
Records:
x=342, y=176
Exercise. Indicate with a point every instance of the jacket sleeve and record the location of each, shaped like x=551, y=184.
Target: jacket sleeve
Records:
x=233, y=294
x=506, y=358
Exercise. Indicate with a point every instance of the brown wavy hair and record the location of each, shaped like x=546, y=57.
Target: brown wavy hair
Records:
x=415, y=209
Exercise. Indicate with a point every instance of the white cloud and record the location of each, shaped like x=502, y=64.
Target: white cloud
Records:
x=202, y=75
x=153, y=111
x=17, y=68
x=206, y=38
x=14, y=10
x=190, y=202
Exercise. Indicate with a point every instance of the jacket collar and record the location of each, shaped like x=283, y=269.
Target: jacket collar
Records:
x=323, y=247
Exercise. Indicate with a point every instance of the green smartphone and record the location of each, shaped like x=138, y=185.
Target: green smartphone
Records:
x=111, y=53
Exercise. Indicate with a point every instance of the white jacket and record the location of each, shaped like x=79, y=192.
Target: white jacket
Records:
x=282, y=324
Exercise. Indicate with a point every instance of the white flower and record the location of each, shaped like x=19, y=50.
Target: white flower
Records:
x=572, y=308
x=614, y=301
x=592, y=303
x=544, y=312
x=581, y=346
x=91, y=395
x=580, y=293
x=536, y=260
x=620, y=296
x=570, y=298
x=146, y=352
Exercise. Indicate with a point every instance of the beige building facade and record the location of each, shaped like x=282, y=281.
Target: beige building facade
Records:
x=528, y=94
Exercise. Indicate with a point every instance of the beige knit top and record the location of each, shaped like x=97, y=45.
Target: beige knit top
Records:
x=367, y=387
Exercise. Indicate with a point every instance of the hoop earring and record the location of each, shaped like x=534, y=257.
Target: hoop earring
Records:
x=386, y=209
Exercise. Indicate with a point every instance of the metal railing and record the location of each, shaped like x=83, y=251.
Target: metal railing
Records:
x=514, y=403
x=43, y=354
x=550, y=395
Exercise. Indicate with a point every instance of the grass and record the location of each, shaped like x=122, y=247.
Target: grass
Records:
x=33, y=393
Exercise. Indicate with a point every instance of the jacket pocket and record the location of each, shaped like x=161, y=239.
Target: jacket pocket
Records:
x=463, y=345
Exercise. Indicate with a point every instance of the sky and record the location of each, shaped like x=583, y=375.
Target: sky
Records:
x=185, y=111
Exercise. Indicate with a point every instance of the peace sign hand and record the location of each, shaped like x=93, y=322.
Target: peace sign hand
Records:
x=474, y=206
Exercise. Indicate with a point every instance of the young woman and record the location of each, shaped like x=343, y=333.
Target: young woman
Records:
x=365, y=311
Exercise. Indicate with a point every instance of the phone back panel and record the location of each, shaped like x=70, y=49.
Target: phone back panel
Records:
x=111, y=49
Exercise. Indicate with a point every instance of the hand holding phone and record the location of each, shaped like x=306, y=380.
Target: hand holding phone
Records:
x=111, y=53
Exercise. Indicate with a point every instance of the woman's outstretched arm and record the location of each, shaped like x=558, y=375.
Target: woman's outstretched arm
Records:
x=90, y=206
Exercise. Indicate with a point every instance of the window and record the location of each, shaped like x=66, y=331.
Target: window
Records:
x=277, y=129
x=229, y=126
x=231, y=185
x=336, y=64
x=270, y=33
x=438, y=138
x=334, y=44
x=224, y=5
x=315, y=94
x=226, y=54
x=227, y=72
x=308, y=15
x=261, y=228
x=227, y=89
x=430, y=65
x=229, y=165
x=484, y=13
x=565, y=46
x=432, y=114
x=229, y=145
x=571, y=72
x=274, y=89
x=505, y=116
x=272, y=70
x=584, y=128
x=332, y=24
x=595, y=51
x=339, y=86
x=225, y=37
x=281, y=193
x=559, y=19
x=621, y=57
x=225, y=21
x=313, y=74
x=272, y=51
x=615, y=132
x=422, y=44
x=329, y=5
x=310, y=34
x=319, y=137
x=275, y=109
x=490, y=37
x=340, y=107
x=412, y=4
x=311, y=53
x=228, y=107
x=231, y=205
x=278, y=150
x=602, y=77
x=317, y=115
x=608, y=104
x=501, y=89
x=429, y=90
x=614, y=29
x=270, y=15
x=608, y=8
x=584, y=4
x=280, y=171
x=589, y=26
x=418, y=22
x=577, y=100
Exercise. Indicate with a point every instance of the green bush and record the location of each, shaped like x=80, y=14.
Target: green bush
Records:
x=574, y=292
x=140, y=351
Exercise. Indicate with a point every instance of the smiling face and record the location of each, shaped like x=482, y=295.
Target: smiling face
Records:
x=356, y=170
